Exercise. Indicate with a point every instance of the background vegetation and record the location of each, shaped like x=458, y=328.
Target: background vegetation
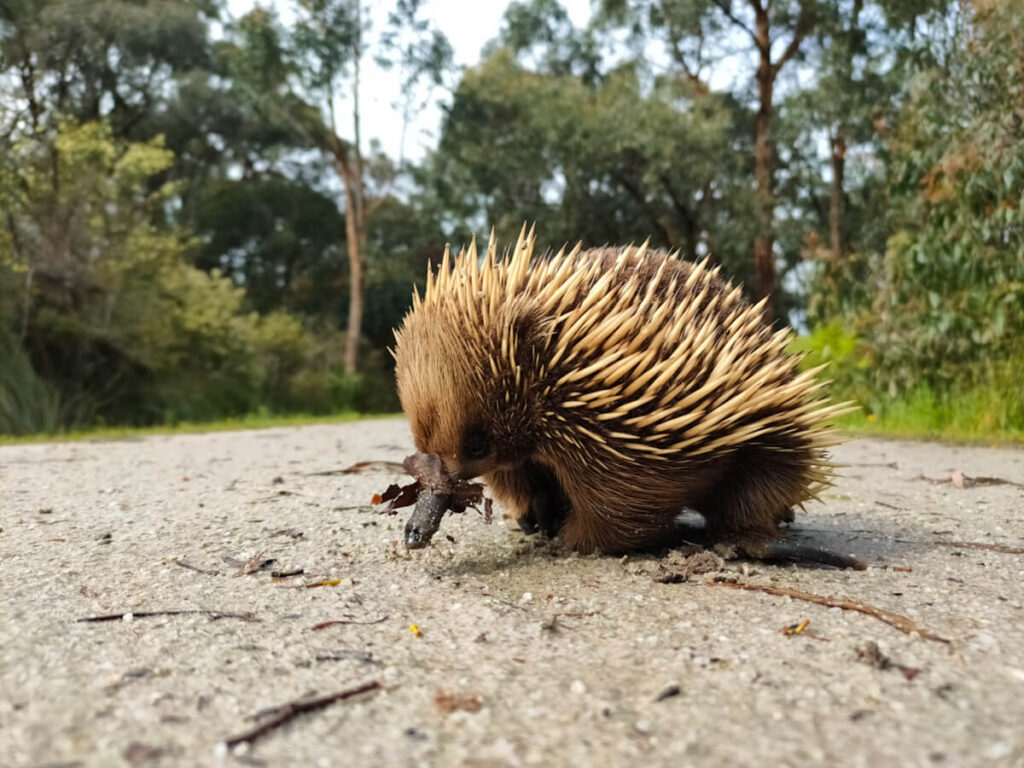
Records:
x=190, y=230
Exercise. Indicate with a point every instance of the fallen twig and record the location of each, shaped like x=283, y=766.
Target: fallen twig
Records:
x=195, y=568
x=250, y=566
x=286, y=712
x=887, y=505
x=214, y=615
x=961, y=481
x=325, y=624
x=982, y=545
x=287, y=574
x=363, y=467
x=326, y=583
x=344, y=654
x=902, y=623
x=453, y=702
x=872, y=655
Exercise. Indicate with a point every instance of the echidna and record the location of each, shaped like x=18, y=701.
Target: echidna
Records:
x=600, y=393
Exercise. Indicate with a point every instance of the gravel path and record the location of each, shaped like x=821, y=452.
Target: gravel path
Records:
x=522, y=654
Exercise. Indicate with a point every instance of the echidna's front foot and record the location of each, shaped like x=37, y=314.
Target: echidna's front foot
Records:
x=546, y=515
x=786, y=550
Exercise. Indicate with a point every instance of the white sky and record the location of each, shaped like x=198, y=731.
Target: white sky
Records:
x=468, y=24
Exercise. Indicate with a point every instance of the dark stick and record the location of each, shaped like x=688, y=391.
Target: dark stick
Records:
x=902, y=623
x=982, y=545
x=146, y=614
x=292, y=709
x=362, y=467
x=195, y=568
x=324, y=624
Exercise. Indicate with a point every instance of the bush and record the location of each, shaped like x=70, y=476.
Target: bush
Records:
x=28, y=404
x=985, y=401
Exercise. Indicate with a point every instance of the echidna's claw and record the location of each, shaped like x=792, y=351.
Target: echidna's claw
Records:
x=546, y=515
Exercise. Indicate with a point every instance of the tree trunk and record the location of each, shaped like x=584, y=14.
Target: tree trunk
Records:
x=764, y=241
x=835, y=212
x=355, y=238
x=355, y=219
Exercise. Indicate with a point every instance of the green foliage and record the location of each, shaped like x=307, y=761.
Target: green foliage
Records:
x=985, y=411
x=953, y=287
x=172, y=249
x=108, y=292
x=251, y=421
x=98, y=59
x=945, y=302
x=518, y=145
x=984, y=406
x=27, y=403
x=543, y=31
x=281, y=239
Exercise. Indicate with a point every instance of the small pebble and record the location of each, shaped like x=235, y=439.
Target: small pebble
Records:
x=578, y=687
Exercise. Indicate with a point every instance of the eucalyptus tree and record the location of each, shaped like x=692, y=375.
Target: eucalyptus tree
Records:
x=758, y=37
x=331, y=40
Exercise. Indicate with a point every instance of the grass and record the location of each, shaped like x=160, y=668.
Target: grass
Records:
x=969, y=416
x=987, y=415
x=983, y=403
x=252, y=421
x=907, y=420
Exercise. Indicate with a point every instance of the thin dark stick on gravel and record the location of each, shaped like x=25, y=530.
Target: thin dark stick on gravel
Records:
x=982, y=545
x=292, y=709
x=325, y=624
x=146, y=614
x=966, y=481
x=363, y=468
x=195, y=568
x=287, y=574
x=902, y=623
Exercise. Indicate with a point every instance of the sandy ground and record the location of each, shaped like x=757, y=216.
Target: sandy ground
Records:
x=525, y=655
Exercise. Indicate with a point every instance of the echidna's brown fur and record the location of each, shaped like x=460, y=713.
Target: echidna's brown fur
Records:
x=620, y=384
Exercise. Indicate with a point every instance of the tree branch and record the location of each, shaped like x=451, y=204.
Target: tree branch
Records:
x=691, y=74
x=790, y=52
x=374, y=204
x=638, y=196
x=802, y=24
x=723, y=6
x=339, y=148
x=690, y=217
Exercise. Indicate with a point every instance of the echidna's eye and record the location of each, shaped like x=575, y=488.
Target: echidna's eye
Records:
x=476, y=444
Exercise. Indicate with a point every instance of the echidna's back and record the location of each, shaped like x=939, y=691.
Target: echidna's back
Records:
x=663, y=356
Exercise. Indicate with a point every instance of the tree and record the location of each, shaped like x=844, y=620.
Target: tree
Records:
x=694, y=34
x=108, y=59
x=544, y=39
x=941, y=304
x=331, y=39
x=543, y=131
x=953, y=276
x=861, y=52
